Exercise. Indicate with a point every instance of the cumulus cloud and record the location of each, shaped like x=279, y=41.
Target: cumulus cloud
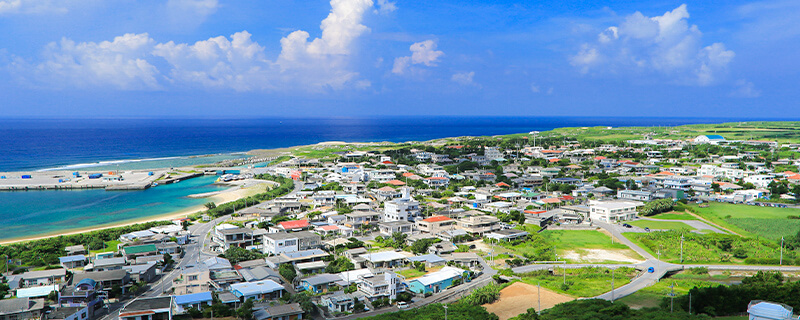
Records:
x=464, y=78
x=745, y=89
x=666, y=45
x=238, y=62
x=120, y=63
x=386, y=6
x=421, y=53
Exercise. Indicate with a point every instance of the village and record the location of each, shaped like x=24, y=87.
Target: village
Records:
x=365, y=232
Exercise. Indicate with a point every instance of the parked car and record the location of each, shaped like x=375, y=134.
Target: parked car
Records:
x=402, y=305
x=627, y=225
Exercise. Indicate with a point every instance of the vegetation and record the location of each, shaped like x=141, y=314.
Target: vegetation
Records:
x=661, y=225
x=286, y=186
x=605, y=310
x=584, y=282
x=340, y=264
x=483, y=295
x=287, y=272
x=698, y=248
x=731, y=300
x=740, y=217
x=44, y=252
x=656, y=207
x=455, y=311
x=236, y=255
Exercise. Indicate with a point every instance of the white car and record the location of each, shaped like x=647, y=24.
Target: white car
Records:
x=402, y=305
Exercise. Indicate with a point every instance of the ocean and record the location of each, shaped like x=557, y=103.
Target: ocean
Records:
x=42, y=144
x=36, y=144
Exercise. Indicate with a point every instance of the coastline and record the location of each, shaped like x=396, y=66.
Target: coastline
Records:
x=231, y=194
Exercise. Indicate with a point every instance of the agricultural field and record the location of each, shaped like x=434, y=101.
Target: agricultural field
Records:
x=661, y=225
x=707, y=248
x=585, y=282
x=752, y=221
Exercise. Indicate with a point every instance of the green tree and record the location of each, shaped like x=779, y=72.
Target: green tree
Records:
x=287, y=272
x=246, y=310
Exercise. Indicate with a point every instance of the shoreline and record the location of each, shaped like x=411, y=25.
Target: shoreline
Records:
x=231, y=194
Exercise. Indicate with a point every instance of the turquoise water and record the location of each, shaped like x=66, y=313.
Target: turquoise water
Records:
x=31, y=213
x=139, y=164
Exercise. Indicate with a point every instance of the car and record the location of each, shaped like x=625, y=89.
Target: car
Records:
x=627, y=225
x=402, y=305
x=647, y=229
x=651, y=270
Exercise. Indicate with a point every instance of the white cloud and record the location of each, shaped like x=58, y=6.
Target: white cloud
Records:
x=421, y=53
x=535, y=88
x=464, y=78
x=238, y=62
x=121, y=63
x=386, y=6
x=189, y=13
x=745, y=89
x=665, y=45
x=33, y=6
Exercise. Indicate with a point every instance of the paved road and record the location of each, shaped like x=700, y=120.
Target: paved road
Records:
x=697, y=224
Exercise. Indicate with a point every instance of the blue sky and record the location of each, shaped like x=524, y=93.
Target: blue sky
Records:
x=216, y=58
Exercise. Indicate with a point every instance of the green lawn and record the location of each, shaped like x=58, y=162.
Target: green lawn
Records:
x=752, y=221
x=412, y=273
x=706, y=248
x=581, y=239
x=661, y=225
x=111, y=246
x=674, y=216
x=586, y=282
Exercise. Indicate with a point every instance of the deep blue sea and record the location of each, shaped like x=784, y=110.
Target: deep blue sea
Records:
x=38, y=144
x=33, y=144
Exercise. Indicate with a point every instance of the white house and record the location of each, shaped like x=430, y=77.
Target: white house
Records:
x=759, y=180
x=612, y=211
x=402, y=208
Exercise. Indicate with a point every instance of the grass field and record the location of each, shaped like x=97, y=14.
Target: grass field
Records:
x=705, y=248
x=111, y=246
x=581, y=239
x=652, y=296
x=752, y=221
x=661, y=225
x=586, y=282
x=674, y=216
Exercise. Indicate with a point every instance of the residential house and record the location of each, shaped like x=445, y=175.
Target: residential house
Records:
x=226, y=236
x=290, y=311
x=21, y=309
x=319, y=283
x=131, y=252
x=479, y=224
x=392, y=227
x=437, y=281
x=142, y=272
x=384, y=259
x=435, y=224
x=43, y=277
x=107, y=264
x=193, y=300
x=430, y=260
x=401, y=209
x=192, y=280
x=258, y=290
x=386, y=285
x=277, y=243
x=339, y=302
x=72, y=262
x=105, y=279
x=158, y=308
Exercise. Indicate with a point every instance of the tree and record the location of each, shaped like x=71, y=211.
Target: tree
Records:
x=287, y=272
x=167, y=260
x=246, y=310
x=421, y=246
x=185, y=225
x=236, y=255
x=210, y=205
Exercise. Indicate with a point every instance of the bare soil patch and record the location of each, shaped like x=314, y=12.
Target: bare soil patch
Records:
x=519, y=297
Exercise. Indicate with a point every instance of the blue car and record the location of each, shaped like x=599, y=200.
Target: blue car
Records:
x=651, y=270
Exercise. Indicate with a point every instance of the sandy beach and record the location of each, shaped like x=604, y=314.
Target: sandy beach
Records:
x=227, y=195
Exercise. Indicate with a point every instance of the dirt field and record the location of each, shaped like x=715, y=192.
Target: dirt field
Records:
x=599, y=255
x=519, y=297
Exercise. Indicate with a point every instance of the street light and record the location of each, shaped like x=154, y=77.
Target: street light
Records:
x=445, y=311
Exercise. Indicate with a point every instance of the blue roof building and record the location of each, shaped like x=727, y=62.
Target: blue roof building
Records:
x=192, y=300
x=437, y=281
x=259, y=290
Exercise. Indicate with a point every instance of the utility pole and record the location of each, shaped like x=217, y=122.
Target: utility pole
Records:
x=672, y=297
x=690, y=302
x=539, y=296
x=445, y=311
x=781, y=262
x=681, y=248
